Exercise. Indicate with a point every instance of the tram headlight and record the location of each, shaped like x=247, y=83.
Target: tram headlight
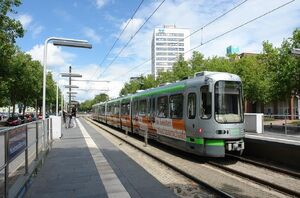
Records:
x=222, y=132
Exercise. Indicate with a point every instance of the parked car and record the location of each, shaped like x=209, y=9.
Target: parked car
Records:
x=22, y=118
x=13, y=121
x=28, y=118
x=33, y=117
x=40, y=116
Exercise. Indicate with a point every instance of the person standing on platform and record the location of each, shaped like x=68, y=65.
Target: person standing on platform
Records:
x=73, y=114
x=64, y=117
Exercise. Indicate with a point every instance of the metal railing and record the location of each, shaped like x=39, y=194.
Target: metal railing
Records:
x=21, y=150
x=282, y=124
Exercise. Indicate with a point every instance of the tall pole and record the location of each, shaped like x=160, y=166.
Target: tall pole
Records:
x=70, y=71
x=62, y=103
x=44, y=78
x=57, y=99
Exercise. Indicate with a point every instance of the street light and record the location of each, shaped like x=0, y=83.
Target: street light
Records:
x=60, y=42
x=71, y=86
x=296, y=51
x=70, y=75
x=73, y=44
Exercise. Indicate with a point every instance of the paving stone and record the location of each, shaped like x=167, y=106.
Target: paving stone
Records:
x=70, y=171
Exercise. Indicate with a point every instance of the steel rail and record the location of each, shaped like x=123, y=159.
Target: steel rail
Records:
x=267, y=166
x=191, y=177
x=279, y=188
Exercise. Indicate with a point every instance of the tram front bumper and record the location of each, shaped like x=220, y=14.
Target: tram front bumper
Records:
x=235, y=145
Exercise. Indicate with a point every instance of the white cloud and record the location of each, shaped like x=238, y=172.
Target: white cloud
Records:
x=37, y=30
x=184, y=14
x=55, y=56
x=25, y=20
x=88, y=89
x=63, y=14
x=100, y=3
x=131, y=28
x=91, y=33
x=194, y=14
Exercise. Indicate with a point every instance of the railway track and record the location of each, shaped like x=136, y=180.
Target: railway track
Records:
x=265, y=165
x=259, y=180
x=218, y=193
x=219, y=190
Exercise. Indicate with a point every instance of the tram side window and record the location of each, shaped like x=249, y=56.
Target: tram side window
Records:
x=163, y=107
x=103, y=110
x=191, y=105
x=143, y=107
x=152, y=107
x=100, y=110
x=125, y=108
x=116, y=109
x=176, y=106
x=109, y=109
x=205, y=106
x=135, y=108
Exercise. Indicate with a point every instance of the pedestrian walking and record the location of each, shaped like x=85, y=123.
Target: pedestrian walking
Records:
x=73, y=115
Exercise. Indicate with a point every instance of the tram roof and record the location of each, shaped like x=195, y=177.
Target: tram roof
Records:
x=177, y=86
x=170, y=88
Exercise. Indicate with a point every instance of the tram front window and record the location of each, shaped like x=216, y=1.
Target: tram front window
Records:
x=228, y=102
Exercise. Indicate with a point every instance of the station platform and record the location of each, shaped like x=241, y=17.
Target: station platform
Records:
x=293, y=139
x=83, y=163
x=282, y=149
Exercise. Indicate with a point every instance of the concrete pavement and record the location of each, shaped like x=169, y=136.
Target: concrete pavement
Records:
x=85, y=164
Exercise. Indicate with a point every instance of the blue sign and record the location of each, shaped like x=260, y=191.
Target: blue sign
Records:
x=16, y=141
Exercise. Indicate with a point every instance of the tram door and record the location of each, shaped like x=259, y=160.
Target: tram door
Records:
x=191, y=114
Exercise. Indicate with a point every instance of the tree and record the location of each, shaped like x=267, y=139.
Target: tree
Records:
x=23, y=80
x=50, y=92
x=255, y=78
x=15, y=77
x=32, y=84
x=100, y=98
x=141, y=83
x=87, y=105
x=10, y=29
x=197, y=62
x=283, y=67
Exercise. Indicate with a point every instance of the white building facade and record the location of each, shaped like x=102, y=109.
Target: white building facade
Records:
x=168, y=43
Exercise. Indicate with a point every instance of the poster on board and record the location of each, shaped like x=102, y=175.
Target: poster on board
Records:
x=16, y=141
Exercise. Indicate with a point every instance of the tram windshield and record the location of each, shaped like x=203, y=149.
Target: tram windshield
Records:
x=228, y=108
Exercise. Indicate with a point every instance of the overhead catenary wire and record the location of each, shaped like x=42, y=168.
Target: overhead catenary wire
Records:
x=220, y=35
x=194, y=32
x=121, y=33
x=131, y=38
x=133, y=68
x=239, y=26
x=215, y=19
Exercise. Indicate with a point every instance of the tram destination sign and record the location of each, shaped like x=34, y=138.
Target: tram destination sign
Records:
x=16, y=141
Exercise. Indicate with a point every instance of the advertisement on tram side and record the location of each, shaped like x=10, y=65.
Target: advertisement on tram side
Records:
x=16, y=141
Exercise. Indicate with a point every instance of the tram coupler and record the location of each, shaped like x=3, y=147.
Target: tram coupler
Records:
x=235, y=145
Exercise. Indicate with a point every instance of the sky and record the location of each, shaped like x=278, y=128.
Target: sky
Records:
x=101, y=22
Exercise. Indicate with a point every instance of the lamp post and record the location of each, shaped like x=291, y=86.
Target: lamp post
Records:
x=296, y=51
x=60, y=42
x=56, y=98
